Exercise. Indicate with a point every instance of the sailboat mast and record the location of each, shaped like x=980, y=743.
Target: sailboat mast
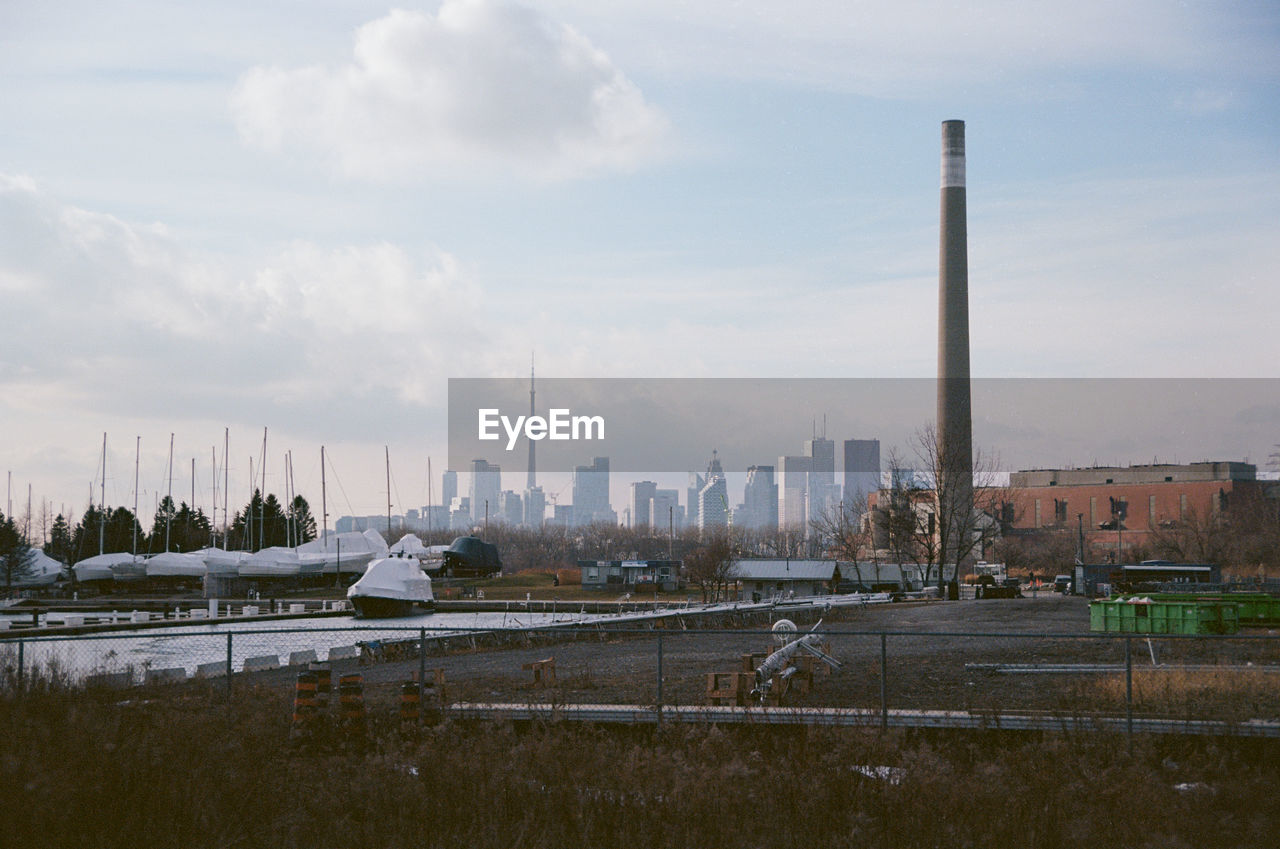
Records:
x=429, y=497
x=137, y=458
x=262, y=512
x=248, y=511
x=102, y=501
x=291, y=528
x=226, y=486
x=168, y=512
x=387, y=448
x=213, y=514
x=324, y=506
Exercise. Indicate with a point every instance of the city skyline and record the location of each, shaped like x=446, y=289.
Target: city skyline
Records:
x=211, y=222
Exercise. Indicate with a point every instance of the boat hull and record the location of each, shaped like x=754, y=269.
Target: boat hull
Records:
x=376, y=607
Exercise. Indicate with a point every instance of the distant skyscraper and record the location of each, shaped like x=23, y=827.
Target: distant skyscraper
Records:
x=448, y=487
x=460, y=513
x=664, y=510
x=591, y=493
x=793, y=491
x=713, y=498
x=535, y=507
x=861, y=471
x=510, y=508
x=696, y=483
x=822, y=492
x=642, y=494
x=759, y=500
x=486, y=483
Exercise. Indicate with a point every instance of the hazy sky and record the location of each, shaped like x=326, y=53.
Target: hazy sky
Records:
x=307, y=216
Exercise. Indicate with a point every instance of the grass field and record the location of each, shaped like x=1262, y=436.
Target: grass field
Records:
x=171, y=768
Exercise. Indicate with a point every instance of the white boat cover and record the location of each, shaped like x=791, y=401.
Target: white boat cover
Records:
x=225, y=563
x=44, y=571
x=410, y=544
x=98, y=567
x=171, y=564
x=132, y=569
x=396, y=578
x=281, y=562
x=355, y=549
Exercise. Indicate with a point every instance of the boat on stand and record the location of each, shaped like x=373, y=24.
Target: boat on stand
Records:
x=392, y=586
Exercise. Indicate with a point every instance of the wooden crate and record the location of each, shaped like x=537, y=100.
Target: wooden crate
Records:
x=729, y=688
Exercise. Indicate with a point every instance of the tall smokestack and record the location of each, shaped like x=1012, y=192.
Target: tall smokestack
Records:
x=955, y=422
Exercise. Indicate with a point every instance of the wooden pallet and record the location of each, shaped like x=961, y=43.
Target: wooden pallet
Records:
x=544, y=671
x=729, y=688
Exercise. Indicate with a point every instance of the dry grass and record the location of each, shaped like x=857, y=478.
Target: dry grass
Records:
x=172, y=768
x=1227, y=694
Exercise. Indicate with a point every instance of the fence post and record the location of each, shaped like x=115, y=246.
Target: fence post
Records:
x=422, y=666
x=659, y=705
x=1128, y=688
x=884, y=675
x=228, y=672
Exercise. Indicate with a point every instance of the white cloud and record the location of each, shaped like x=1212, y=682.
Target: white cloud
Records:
x=115, y=316
x=481, y=85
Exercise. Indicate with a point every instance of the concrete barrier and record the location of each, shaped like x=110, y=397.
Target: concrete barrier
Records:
x=4, y=624
x=109, y=679
x=260, y=664
x=213, y=669
x=297, y=608
x=140, y=616
x=73, y=620
x=344, y=653
x=198, y=613
x=302, y=658
x=166, y=676
x=249, y=610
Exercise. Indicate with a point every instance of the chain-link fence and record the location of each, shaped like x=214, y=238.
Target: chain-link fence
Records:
x=655, y=669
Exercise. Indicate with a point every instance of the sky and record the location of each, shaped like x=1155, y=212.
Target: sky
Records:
x=306, y=217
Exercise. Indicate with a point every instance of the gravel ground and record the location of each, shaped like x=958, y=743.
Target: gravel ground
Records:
x=925, y=670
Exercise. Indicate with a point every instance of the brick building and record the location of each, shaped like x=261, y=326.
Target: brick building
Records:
x=1138, y=497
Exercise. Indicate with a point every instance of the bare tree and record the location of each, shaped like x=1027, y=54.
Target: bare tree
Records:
x=710, y=566
x=966, y=505
x=1195, y=538
x=843, y=531
x=786, y=542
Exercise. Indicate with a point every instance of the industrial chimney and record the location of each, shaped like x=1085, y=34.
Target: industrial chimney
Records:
x=955, y=422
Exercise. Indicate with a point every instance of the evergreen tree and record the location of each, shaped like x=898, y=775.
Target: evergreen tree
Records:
x=162, y=526
x=16, y=557
x=304, y=524
x=274, y=522
x=61, y=542
x=191, y=529
x=124, y=532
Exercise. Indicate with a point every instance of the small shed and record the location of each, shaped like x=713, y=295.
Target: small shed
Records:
x=868, y=576
x=630, y=575
x=762, y=580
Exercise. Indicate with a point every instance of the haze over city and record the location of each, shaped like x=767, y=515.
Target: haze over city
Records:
x=308, y=218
